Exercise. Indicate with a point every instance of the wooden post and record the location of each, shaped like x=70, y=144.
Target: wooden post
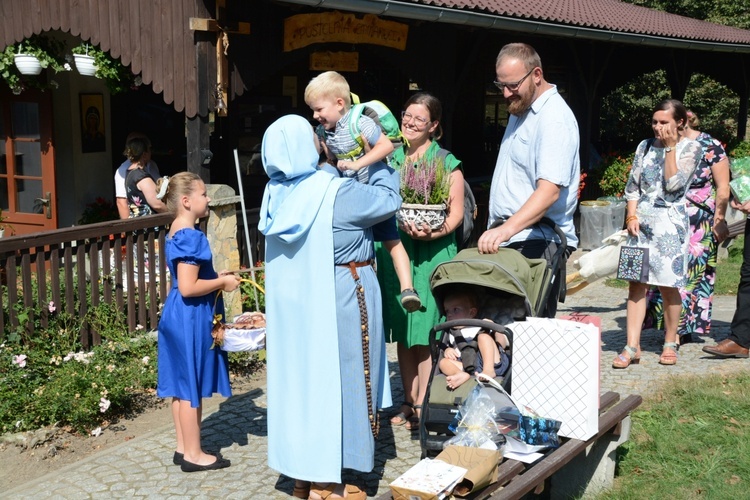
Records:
x=219, y=89
x=198, y=130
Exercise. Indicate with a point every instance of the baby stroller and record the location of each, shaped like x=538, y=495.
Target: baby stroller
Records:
x=510, y=287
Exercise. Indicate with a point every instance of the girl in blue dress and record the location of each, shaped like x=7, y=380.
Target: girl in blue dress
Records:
x=188, y=369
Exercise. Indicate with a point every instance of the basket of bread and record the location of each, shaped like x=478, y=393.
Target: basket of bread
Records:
x=246, y=333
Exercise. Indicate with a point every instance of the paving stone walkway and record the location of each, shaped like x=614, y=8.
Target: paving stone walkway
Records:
x=142, y=467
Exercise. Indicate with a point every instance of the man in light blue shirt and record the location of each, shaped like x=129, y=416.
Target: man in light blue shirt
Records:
x=538, y=167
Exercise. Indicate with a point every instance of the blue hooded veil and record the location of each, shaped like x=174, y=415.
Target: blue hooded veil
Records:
x=303, y=374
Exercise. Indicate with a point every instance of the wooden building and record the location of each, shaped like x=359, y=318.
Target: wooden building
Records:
x=215, y=73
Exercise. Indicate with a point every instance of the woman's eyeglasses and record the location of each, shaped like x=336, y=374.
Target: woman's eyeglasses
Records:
x=418, y=120
x=512, y=86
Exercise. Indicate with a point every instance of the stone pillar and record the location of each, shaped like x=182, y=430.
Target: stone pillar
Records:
x=221, y=230
x=592, y=472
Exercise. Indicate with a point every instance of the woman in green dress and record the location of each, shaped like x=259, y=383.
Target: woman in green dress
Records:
x=420, y=125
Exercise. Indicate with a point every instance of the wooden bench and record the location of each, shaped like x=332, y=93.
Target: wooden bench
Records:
x=736, y=228
x=516, y=479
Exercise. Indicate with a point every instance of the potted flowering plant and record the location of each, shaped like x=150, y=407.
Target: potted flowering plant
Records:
x=425, y=187
x=91, y=61
x=99, y=210
x=85, y=62
x=21, y=63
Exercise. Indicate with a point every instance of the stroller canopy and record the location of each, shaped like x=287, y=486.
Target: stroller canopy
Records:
x=506, y=271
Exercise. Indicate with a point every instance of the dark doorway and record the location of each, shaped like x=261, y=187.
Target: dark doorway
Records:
x=144, y=111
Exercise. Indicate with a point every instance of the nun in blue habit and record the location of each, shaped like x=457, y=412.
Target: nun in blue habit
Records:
x=319, y=250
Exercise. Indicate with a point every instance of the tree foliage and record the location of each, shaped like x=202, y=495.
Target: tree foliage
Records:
x=734, y=13
x=716, y=106
x=626, y=112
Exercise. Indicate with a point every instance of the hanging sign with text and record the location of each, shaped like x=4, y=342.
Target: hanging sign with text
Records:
x=305, y=29
x=334, y=61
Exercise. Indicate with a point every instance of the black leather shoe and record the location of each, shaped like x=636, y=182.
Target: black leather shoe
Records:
x=727, y=349
x=178, y=457
x=220, y=463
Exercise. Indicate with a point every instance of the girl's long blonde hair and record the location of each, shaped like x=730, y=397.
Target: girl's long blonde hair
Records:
x=179, y=185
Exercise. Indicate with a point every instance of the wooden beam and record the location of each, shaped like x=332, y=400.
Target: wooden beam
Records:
x=219, y=92
x=199, y=24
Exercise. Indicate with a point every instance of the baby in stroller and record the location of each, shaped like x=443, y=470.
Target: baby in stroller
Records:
x=470, y=350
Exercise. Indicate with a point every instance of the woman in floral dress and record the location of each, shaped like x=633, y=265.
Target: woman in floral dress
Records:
x=707, y=199
x=657, y=220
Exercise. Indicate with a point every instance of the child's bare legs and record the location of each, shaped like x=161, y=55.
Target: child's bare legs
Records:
x=177, y=428
x=502, y=340
x=453, y=371
x=490, y=353
x=402, y=264
x=415, y=365
x=190, y=430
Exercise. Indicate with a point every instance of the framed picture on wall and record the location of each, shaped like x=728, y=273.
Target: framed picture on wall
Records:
x=92, y=123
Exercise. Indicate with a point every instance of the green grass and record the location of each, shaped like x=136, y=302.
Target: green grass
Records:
x=727, y=271
x=692, y=440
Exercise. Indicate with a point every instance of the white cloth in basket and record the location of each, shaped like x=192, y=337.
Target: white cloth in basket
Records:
x=245, y=334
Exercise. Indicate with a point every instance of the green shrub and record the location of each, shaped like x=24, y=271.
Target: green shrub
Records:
x=741, y=150
x=51, y=379
x=615, y=170
x=244, y=364
x=248, y=290
x=46, y=376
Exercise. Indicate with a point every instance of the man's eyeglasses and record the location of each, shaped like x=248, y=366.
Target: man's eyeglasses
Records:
x=420, y=121
x=512, y=86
